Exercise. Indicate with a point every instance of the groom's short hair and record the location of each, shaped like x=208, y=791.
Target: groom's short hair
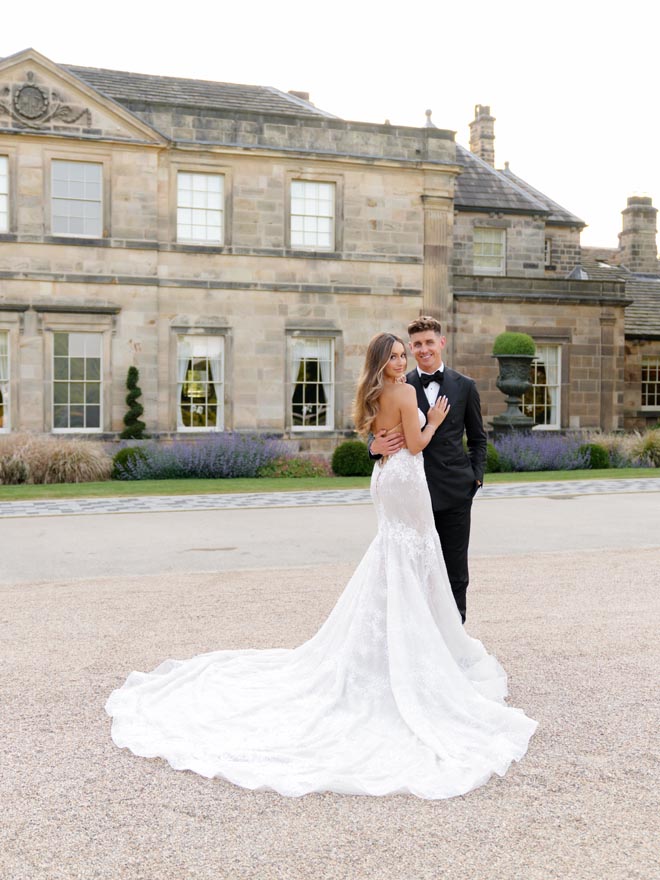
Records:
x=425, y=322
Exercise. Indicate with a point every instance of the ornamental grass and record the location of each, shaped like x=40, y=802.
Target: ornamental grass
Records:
x=28, y=458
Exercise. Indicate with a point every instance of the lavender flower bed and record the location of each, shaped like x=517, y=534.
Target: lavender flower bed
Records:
x=540, y=452
x=221, y=456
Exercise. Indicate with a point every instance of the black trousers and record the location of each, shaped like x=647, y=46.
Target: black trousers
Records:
x=453, y=527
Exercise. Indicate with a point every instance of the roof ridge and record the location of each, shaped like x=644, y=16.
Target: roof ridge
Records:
x=186, y=79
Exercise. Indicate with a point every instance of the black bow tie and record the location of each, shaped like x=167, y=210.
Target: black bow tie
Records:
x=427, y=378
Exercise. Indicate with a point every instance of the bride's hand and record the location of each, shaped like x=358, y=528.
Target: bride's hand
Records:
x=438, y=412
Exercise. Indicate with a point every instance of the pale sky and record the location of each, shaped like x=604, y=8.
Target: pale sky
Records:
x=572, y=84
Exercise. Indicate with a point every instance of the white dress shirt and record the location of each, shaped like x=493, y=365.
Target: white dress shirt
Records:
x=432, y=390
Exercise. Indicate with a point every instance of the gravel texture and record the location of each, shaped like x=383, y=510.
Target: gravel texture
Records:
x=576, y=631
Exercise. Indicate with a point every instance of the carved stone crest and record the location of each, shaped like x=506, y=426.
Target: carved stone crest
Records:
x=30, y=102
x=34, y=107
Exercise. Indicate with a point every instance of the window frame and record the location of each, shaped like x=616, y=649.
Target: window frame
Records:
x=489, y=270
x=195, y=241
x=654, y=362
x=338, y=207
x=100, y=202
x=555, y=425
x=179, y=336
x=55, y=382
x=311, y=335
x=5, y=159
x=7, y=396
x=547, y=252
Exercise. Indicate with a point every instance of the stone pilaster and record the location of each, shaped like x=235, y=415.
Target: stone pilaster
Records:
x=438, y=237
x=607, y=370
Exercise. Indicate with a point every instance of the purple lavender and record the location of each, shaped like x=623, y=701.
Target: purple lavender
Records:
x=540, y=452
x=222, y=456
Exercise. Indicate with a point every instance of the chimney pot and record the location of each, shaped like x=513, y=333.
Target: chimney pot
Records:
x=482, y=134
x=637, y=244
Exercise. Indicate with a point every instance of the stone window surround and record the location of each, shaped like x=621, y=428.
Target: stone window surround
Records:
x=492, y=223
x=10, y=154
x=321, y=330
x=82, y=322
x=11, y=325
x=78, y=155
x=653, y=360
x=563, y=337
x=199, y=166
x=315, y=177
x=180, y=327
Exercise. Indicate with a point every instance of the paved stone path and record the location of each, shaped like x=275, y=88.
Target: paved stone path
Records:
x=164, y=503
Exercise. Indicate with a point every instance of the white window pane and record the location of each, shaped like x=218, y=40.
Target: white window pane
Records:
x=199, y=199
x=93, y=191
x=76, y=171
x=214, y=201
x=92, y=173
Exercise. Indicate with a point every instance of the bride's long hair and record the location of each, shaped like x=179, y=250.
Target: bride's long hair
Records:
x=370, y=384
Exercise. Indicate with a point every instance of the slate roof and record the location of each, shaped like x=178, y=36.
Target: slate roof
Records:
x=643, y=314
x=557, y=215
x=481, y=186
x=127, y=88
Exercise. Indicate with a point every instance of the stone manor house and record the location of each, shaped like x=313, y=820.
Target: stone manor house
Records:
x=240, y=247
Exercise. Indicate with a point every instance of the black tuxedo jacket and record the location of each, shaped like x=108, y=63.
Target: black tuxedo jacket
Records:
x=451, y=473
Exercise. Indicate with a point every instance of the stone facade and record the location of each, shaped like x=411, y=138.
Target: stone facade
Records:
x=406, y=204
x=139, y=288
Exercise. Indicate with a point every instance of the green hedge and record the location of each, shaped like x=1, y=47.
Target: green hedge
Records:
x=351, y=459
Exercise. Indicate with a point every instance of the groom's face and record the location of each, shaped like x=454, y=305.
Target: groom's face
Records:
x=426, y=347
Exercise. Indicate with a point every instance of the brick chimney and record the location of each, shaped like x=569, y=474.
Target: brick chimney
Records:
x=482, y=134
x=637, y=247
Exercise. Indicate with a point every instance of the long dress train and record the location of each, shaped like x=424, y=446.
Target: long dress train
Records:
x=390, y=696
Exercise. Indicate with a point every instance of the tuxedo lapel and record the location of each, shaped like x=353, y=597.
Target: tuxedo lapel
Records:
x=416, y=382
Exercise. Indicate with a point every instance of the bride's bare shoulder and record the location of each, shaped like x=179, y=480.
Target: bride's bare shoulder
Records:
x=404, y=392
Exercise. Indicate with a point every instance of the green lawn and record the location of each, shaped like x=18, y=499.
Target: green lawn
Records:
x=202, y=487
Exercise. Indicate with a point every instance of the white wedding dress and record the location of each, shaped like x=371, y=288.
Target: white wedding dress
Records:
x=391, y=696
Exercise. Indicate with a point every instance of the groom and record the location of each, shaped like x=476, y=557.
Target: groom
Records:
x=452, y=475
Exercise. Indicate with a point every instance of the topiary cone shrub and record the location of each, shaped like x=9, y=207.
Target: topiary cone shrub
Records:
x=134, y=428
x=351, y=459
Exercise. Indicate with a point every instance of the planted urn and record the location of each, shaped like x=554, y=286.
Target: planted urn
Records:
x=515, y=353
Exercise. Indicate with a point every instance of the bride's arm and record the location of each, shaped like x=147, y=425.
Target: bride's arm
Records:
x=418, y=438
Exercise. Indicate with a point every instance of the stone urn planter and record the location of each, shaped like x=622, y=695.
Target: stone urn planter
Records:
x=515, y=353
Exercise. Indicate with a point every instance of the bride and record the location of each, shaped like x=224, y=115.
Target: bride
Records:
x=391, y=696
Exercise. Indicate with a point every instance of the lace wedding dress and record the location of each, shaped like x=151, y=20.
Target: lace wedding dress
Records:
x=390, y=696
